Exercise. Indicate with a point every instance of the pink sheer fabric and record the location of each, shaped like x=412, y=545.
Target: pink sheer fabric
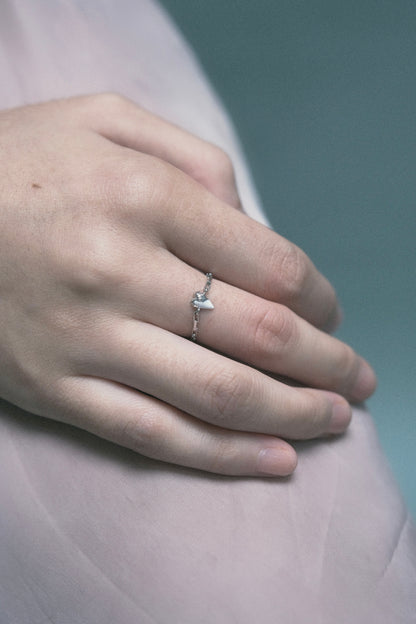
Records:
x=91, y=533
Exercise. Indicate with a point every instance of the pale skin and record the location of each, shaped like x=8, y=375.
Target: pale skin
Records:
x=109, y=219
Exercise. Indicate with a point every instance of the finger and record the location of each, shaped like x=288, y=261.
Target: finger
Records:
x=159, y=431
x=246, y=327
x=120, y=120
x=211, y=236
x=246, y=254
x=210, y=386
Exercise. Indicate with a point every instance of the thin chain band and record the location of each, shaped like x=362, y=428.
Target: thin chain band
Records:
x=200, y=302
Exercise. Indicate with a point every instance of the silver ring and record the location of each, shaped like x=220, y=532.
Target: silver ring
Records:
x=200, y=302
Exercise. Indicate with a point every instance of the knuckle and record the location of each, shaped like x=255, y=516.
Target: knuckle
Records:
x=214, y=169
x=60, y=400
x=330, y=310
x=345, y=369
x=293, y=269
x=108, y=101
x=92, y=265
x=220, y=164
x=96, y=275
x=111, y=99
x=137, y=183
x=274, y=330
x=144, y=433
x=224, y=456
x=315, y=415
x=35, y=386
x=225, y=392
x=97, y=111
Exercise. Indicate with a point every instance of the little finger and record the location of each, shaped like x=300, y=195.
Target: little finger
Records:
x=162, y=432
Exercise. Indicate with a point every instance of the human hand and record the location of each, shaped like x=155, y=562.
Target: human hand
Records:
x=108, y=216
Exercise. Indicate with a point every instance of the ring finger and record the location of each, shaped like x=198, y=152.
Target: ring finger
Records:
x=249, y=328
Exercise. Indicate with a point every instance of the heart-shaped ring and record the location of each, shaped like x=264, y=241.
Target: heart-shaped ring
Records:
x=200, y=302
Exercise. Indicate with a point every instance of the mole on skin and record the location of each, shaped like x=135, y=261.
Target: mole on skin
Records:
x=35, y=185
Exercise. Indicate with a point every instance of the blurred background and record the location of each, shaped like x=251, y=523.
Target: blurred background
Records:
x=323, y=96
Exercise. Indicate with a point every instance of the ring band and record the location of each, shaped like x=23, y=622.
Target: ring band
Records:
x=200, y=302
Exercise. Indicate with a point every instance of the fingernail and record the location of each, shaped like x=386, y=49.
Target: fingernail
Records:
x=277, y=461
x=365, y=383
x=341, y=417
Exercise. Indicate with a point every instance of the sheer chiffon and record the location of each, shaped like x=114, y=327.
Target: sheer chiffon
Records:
x=91, y=533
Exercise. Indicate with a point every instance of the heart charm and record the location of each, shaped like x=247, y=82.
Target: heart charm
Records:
x=201, y=302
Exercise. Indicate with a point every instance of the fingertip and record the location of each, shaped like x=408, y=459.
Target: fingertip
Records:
x=365, y=382
x=341, y=416
x=278, y=460
x=335, y=319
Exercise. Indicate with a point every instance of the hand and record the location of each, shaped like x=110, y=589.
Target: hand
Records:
x=109, y=219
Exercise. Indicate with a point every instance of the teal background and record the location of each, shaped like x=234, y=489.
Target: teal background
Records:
x=323, y=95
